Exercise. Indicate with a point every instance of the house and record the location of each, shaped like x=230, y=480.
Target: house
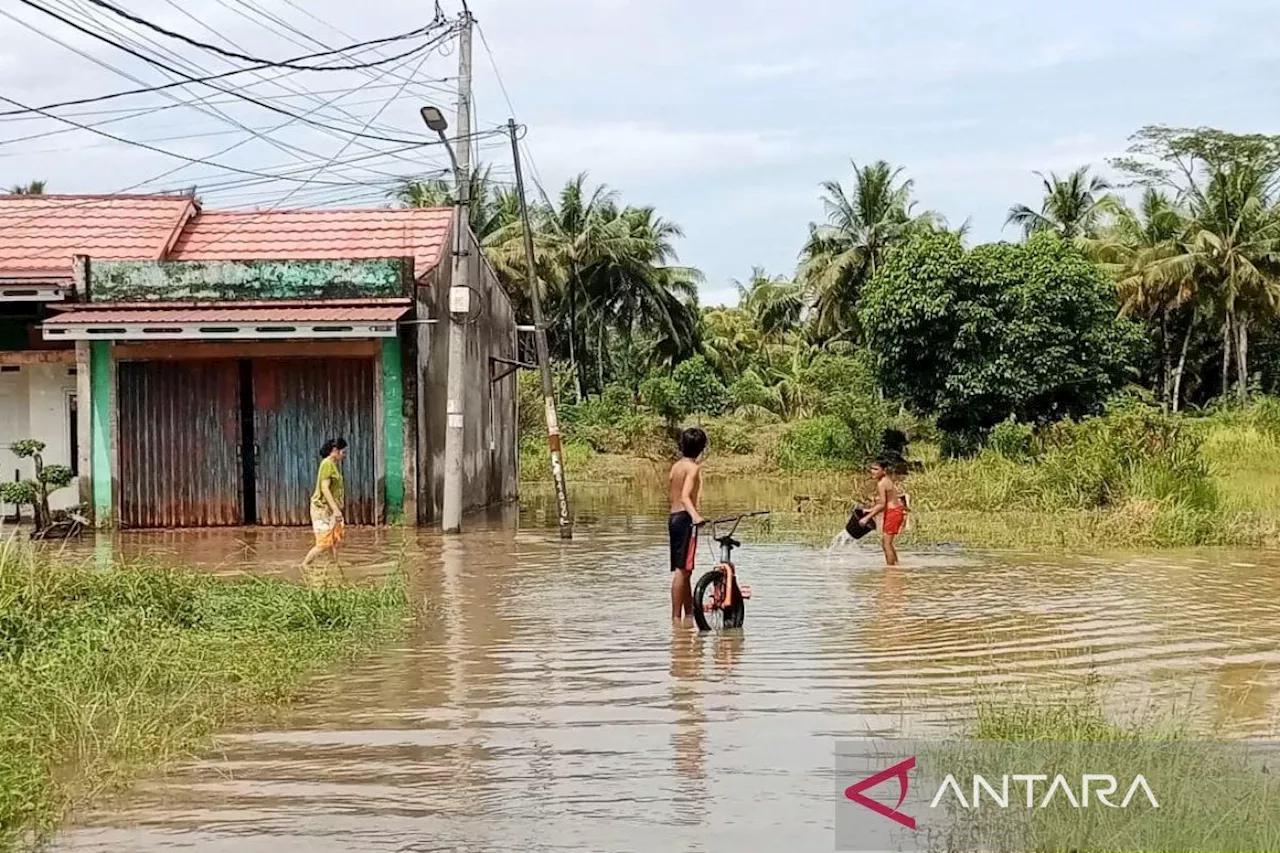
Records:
x=189, y=364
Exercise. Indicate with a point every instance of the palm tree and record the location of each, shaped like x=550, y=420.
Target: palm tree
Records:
x=612, y=267
x=33, y=188
x=490, y=207
x=844, y=253
x=1135, y=249
x=774, y=304
x=1233, y=250
x=1073, y=206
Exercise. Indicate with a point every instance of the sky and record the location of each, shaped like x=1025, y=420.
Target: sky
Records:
x=725, y=115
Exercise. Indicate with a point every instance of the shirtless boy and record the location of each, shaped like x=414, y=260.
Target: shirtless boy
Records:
x=685, y=486
x=892, y=505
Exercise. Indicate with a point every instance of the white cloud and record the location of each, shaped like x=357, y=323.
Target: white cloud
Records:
x=774, y=70
x=615, y=150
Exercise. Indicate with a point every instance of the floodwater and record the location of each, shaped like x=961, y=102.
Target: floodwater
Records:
x=544, y=702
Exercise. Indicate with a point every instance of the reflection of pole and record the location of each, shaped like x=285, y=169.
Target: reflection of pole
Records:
x=544, y=359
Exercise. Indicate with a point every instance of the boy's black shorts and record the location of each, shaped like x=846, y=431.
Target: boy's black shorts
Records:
x=684, y=541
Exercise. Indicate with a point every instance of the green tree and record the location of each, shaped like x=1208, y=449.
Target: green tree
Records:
x=32, y=188
x=843, y=254
x=1072, y=207
x=1029, y=331
x=35, y=493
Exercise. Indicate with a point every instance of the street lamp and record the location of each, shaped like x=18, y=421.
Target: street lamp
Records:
x=459, y=306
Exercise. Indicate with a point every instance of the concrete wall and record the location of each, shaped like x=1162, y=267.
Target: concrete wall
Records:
x=491, y=444
x=35, y=402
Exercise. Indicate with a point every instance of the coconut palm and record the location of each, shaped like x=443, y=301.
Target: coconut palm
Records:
x=774, y=303
x=1134, y=249
x=1073, y=206
x=490, y=208
x=844, y=253
x=1232, y=250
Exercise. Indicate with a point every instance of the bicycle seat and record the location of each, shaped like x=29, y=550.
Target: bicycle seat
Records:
x=729, y=540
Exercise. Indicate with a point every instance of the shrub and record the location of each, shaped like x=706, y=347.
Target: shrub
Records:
x=823, y=442
x=1012, y=440
x=700, y=388
x=729, y=436
x=661, y=395
x=748, y=391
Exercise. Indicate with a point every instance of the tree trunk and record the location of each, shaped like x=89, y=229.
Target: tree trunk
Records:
x=1182, y=365
x=1226, y=355
x=1165, y=367
x=42, y=516
x=573, y=335
x=600, y=353
x=1242, y=359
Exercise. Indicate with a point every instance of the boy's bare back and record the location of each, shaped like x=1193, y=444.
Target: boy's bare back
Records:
x=686, y=471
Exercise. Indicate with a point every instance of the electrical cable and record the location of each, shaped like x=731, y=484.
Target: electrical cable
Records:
x=212, y=48
x=135, y=142
x=149, y=89
x=320, y=170
x=172, y=70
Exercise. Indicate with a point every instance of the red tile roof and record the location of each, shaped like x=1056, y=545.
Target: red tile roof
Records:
x=318, y=235
x=370, y=311
x=39, y=234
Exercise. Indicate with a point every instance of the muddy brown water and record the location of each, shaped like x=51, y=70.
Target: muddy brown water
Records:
x=544, y=702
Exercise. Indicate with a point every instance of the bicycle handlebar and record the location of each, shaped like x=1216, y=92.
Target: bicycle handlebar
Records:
x=730, y=518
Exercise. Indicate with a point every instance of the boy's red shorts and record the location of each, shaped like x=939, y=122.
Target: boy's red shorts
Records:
x=894, y=519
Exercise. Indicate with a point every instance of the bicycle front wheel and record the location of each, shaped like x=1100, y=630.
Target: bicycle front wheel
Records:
x=708, y=603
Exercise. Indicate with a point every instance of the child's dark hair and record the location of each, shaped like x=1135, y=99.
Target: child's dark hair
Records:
x=332, y=445
x=692, y=442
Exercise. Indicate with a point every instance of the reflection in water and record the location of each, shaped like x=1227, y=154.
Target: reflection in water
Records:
x=541, y=700
x=688, y=740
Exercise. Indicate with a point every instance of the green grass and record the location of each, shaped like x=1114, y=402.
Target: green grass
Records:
x=1212, y=796
x=1134, y=479
x=105, y=673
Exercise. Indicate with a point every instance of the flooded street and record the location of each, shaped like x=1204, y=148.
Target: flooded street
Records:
x=543, y=701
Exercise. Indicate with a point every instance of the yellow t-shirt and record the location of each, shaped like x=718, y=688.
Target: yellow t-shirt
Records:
x=330, y=471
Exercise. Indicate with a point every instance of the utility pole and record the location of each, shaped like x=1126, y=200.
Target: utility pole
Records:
x=459, y=295
x=540, y=341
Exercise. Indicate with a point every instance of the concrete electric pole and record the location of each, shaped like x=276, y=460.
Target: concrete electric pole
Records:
x=459, y=296
x=544, y=358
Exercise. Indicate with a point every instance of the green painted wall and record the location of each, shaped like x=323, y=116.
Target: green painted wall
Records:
x=204, y=281
x=100, y=370
x=393, y=427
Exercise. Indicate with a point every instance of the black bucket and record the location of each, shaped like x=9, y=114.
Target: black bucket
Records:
x=855, y=528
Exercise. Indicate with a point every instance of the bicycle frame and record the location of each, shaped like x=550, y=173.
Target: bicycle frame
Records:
x=727, y=544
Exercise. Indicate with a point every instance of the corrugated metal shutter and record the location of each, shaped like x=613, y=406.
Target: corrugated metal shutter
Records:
x=298, y=404
x=179, y=432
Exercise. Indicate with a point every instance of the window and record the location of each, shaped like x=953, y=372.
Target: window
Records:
x=73, y=419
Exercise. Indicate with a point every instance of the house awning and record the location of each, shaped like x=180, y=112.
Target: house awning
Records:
x=228, y=321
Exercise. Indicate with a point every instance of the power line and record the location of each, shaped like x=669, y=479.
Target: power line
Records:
x=320, y=170
x=149, y=89
x=266, y=63
x=135, y=142
x=533, y=166
x=177, y=72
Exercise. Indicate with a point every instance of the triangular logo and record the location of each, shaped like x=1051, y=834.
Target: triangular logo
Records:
x=899, y=771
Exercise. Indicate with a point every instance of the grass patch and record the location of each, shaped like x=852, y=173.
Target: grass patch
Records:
x=107, y=673
x=1211, y=795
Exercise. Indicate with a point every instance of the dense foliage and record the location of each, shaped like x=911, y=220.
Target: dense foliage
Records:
x=891, y=320
x=1027, y=331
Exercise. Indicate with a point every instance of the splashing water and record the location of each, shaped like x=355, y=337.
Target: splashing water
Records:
x=840, y=540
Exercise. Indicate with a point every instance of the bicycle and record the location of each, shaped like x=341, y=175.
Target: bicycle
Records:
x=718, y=600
